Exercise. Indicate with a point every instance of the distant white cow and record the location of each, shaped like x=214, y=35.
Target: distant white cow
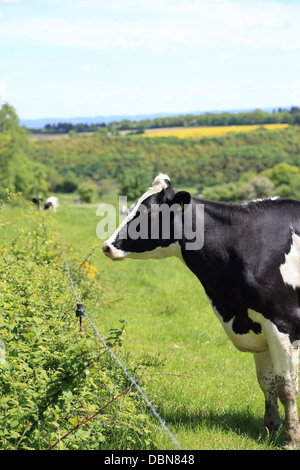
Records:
x=124, y=210
x=51, y=203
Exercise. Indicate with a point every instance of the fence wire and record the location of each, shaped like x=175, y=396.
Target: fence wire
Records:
x=123, y=368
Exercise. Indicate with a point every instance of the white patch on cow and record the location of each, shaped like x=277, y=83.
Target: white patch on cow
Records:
x=283, y=354
x=271, y=198
x=249, y=342
x=116, y=254
x=54, y=201
x=158, y=185
x=290, y=269
x=160, y=252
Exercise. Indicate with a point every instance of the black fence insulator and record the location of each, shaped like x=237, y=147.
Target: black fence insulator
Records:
x=80, y=310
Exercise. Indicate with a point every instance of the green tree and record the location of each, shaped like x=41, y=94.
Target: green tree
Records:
x=134, y=183
x=16, y=168
x=282, y=173
x=6, y=169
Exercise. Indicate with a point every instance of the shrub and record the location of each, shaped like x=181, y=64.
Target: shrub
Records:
x=52, y=376
x=87, y=191
x=258, y=187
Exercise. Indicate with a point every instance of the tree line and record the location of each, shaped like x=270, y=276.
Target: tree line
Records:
x=66, y=127
x=257, y=116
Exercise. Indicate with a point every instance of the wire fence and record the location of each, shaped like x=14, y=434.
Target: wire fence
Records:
x=80, y=312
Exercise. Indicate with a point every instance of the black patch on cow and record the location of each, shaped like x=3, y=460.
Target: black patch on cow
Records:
x=47, y=205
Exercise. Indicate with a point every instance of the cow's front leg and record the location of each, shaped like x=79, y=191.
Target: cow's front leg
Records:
x=285, y=364
x=266, y=380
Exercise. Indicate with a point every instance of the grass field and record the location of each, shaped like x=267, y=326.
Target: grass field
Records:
x=204, y=389
x=198, y=132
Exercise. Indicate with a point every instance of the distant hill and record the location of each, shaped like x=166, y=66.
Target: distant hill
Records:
x=40, y=123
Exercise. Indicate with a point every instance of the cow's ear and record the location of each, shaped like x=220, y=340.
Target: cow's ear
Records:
x=182, y=198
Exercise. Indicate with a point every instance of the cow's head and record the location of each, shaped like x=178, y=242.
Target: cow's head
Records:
x=149, y=231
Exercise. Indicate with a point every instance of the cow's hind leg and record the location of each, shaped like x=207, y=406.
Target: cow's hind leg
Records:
x=285, y=364
x=266, y=380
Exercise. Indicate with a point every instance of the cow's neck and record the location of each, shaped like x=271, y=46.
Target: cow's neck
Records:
x=223, y=225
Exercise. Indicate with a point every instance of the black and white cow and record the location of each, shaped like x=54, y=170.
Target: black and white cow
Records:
x=37, y=201
x=249, y=266
x=51, y=203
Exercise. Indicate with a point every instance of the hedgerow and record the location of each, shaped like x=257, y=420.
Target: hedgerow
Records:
x=59, y=388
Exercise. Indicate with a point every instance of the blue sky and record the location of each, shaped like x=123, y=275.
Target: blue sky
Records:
x=69, y=58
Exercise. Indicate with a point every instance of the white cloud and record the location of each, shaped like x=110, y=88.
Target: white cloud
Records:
x=290, y=45
x=242, y=23
x=11, y=1
x=159, y=49
x=273, y=22
x=161, y=24
x=229, y=56
x=178, y=38
x=124, y=43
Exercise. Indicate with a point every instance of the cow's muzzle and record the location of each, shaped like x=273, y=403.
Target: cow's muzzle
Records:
x=112, y=252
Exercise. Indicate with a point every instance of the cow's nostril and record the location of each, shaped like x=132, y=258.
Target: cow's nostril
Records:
x=106, y=249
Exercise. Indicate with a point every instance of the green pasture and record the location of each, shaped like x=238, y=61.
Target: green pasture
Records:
x=204, y=389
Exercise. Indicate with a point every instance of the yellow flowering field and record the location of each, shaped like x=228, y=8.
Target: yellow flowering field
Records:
x=198, y=132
